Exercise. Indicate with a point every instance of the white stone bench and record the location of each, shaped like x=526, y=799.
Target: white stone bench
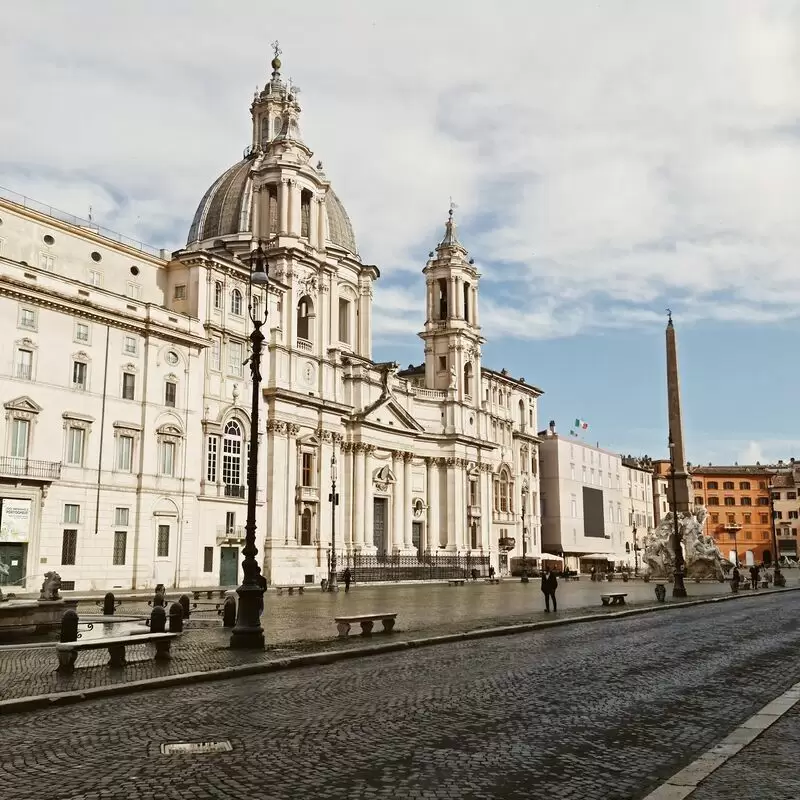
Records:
x=68, y=651
x=290, y=589
x=456, y=581
x=366, y=621
x=614, y=598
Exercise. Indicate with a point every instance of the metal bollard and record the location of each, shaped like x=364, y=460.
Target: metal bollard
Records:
x=175, y=618
x=185, y=605
x=158, y=620
x=69, y=626
x=109, y=604
x=229, y=612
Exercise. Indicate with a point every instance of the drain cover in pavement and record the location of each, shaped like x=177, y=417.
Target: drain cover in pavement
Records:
x=195, y=748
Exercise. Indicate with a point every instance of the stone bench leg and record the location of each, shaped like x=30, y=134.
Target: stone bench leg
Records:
x=66, y=662
x=366, y=627
x=162, y=649
x=619, y=601
x=280, y=592
x=301, y=590
x=343, y=628
x=605, y=600
x=388, y=625
x=116, y=655
x=291, y=590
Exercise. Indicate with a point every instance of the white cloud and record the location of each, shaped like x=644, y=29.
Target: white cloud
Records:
x=615, y=154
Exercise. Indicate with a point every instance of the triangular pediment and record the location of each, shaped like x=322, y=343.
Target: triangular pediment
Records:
x=388, y=413
x=23, y=403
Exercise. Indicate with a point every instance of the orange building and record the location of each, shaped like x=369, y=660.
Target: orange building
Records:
x=738, y=503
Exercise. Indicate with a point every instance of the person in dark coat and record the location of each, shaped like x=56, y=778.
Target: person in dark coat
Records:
x=262, y=582
x=549, y=586
x=754, y=577
x=348, y=578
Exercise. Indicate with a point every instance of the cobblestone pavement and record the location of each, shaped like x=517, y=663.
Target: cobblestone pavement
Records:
x=766, y=769
x=600, y=710
x=30, y=671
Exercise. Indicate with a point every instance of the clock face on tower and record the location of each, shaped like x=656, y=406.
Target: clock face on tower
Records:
x=308, y=373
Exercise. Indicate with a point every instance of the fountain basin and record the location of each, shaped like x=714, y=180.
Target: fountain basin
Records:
x=32, y=616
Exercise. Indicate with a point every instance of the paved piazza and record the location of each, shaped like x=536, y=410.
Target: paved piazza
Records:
x=599, y=710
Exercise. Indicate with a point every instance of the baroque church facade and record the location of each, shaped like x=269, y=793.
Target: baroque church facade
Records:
x=435, y=462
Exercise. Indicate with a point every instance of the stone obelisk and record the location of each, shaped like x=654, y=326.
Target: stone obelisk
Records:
x=682, y=499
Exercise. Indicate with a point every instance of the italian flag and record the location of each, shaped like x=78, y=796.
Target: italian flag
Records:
x=581, y=424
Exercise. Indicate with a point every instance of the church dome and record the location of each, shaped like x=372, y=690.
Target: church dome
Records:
x=225, y=210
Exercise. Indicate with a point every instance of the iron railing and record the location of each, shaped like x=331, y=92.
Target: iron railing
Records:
x=27, y=468
x=425, y=567
x=235, y=491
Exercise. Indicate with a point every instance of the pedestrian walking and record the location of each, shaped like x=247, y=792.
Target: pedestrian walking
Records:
x=262, y=582
x=549, y=586
x=754, y=576
x=348, y=577
x=491, y=571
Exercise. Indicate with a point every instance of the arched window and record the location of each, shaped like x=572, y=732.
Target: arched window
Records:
x=256, y=307
x=305, y=312
x=272, y=209
x=232, y=441
x=502, y=491
x=277, y=125
x=305, y=527
x=466, y=301
x=521, y=414
x=468, y=379
x=236, y=302
x=305, y=213
x=217, y=294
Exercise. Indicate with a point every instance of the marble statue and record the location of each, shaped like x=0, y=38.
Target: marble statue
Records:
x=703, y=559
x=50, y=586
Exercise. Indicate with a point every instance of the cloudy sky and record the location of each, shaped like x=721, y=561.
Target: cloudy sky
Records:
x=608, y=160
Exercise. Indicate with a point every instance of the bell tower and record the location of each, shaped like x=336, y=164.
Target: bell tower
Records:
x=452, y=334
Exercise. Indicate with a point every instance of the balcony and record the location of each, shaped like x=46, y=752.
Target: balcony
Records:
x=304, y=344
x=27, y=468
x=227, y=533
x=507, y=543
x=24, y=372
x=308, y=494
x=236, y=491
x=474, y=511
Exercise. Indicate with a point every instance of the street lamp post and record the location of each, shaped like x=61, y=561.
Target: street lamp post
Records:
x=248, y=633
x=678, y=587
x=333, y=499
x=733, y=530
x=777, y=578
x=524, y=578
x=635, y=551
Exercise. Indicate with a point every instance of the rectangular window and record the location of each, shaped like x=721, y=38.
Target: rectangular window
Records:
x=27, y=319
x=235, y=359
x=95, y=277
x=76, y=439
x=79, y=372
x=308, y=469
x=125, y=453
x=24, y=369
x=81, y=332
x=214, y=354
x=120, y=547
x=133, y=290
x=47, y=261
x=170, y=393
x=473, y=493
x=730, y=501
x=20, y=431
x=747, y=519
x=69, y=546
x=128, y=385
x=764, y=519
x=211, y=459
x=217, y=294
x=122, y=517
x=180, y=292
x=162, y=545
x=791, y=495
x=130, y=346
x=72, y=513
x=747, y=501
x=344, y=321
x=167, y=458
x=208, y=559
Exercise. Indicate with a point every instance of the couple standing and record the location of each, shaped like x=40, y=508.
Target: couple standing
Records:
x=549, y=586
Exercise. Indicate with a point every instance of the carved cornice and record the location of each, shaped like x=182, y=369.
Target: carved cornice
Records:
x=337, y=438
x=276, y=426
x=292, y=429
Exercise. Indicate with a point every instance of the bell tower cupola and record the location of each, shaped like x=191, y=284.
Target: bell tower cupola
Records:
x=452, y=332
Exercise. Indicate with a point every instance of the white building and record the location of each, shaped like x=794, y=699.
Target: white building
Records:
x=127, y=399
x=637, y=481
x=584, y=504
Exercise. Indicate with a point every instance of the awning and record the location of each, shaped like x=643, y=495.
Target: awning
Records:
x=551, y=557
x=598, y=557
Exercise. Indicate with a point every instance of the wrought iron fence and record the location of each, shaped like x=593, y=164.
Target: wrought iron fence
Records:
x=425, y=567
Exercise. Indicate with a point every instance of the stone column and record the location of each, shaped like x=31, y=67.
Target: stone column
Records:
x=294, y=208
x=358, y=495
x=257, y=213
x=396, y=538
x=408, y=543
x=369, y=511
x=321, y=217
x=475, y=308
x=450, y=500
x=432, y=535
x=313, y=223
x=283, y=205
x=347, y=497
x=451, y=297
x=291, y=483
